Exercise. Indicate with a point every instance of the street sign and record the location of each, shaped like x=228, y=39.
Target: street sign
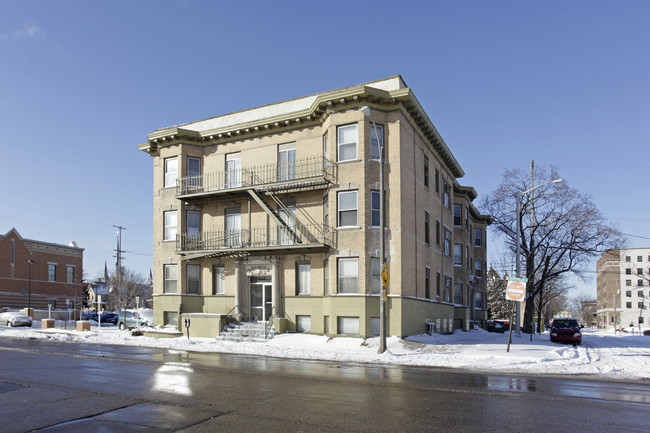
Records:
x=385, y=275
x=515, y=290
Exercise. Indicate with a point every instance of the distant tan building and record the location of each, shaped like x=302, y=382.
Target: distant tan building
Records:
x=53, y=278
x=623, y=288
x=272, y=214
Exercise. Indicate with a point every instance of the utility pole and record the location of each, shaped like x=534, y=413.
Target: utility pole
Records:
x=119, y=251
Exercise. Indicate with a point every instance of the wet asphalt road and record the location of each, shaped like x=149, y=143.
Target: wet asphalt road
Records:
x=71, y=387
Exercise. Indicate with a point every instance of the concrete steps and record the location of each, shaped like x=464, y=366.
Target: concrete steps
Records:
x=247, y=331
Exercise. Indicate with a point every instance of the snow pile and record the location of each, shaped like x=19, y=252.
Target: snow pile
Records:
x=623, y=357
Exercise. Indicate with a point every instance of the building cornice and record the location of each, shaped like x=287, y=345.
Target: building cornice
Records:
x=304, y=112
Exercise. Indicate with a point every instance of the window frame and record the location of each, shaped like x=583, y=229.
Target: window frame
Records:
x=303, y=286
x=340, y=210
x=51, y=272
x=167, y=280
x=170, y=177
x=380, y=134
x=218, y=280
x=339, y=283
x=193, y=282
x=375, y=212
x=346, y=145
x=169, y=228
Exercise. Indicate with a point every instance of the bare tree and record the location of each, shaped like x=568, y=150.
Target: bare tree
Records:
x=550, y=301
x=498, y=305
x=582, y=305
x=559, y=238
x=125, y=287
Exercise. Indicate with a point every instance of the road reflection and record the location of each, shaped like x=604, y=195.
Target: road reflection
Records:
x=173, y=378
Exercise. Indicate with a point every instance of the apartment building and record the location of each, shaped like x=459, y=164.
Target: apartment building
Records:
x=39, y=274
x=623, y=288
x=272, y=214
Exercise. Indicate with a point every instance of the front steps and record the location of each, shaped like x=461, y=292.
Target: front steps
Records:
x=247, y=331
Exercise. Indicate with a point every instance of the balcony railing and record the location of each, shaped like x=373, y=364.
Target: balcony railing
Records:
x=316, y=169
x=256, y=237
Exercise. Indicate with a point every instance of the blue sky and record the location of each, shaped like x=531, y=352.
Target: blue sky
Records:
x=82, y=84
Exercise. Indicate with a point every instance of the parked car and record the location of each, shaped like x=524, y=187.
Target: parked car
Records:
x=496, y=326
x=135, y=318
x=15, y=318
x=566, y=331
x=107, y=317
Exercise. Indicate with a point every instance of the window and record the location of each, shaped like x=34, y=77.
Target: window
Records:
x=639, y=283
x=448, y=289
x=70, y=274
x=458, y=254
x=458, y=293
x=374, y=209
x=287, y=161
x=427, y=283
x=193, y=279
x=628, y=271
x=326, y=211
x=218, y=280
x=639, y=259
x=288, y=215
x=427, y=237
x=437, y=180
x=628, y=258
x=51, y=272
x=478, y=238
x=458, y=217
x=628, y=282
x=426, y=171
x=233, y=170
x=640, y=305
x=467, y=218
x=347, y=209
x=348, y=275
x=303, y=281
x=171, y=172
x=303, y=323
x=348, y=325
x=438, y=288
x=375, y=276
x=478, y=300
x=170, y=225
x=233, y=227
x=639, y=271
x=374, y=326
x=347, y=142
x=640, y=320
x=437, y=232
x=628, y=305
x=193, y=172
x=478, y=268
x=446, y=194
x=170, y=318
x=447, y=240
x=640, y=294
x=326, y=146
x=193, y=222
x=171, y=276
x=467, y=258
x=326, y=276
x=375, y=147
x=628, y=293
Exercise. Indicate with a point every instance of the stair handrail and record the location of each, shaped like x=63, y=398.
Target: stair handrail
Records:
x=266, y=332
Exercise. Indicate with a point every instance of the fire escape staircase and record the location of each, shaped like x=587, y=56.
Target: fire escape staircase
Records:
x=257, y=195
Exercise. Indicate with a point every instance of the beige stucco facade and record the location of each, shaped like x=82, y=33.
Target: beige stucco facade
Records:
x=271, y=213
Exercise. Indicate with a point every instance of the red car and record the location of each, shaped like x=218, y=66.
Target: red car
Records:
x=566, y=331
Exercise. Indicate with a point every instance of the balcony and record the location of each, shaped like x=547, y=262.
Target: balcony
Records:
x=307, y=173
x=255, y=241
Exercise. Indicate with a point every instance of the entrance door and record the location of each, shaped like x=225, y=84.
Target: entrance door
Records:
x=261, y=302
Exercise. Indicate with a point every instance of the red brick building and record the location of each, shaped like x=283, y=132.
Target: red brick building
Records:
x=39, y=273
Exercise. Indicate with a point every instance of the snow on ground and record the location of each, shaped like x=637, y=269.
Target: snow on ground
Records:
x=604, y=355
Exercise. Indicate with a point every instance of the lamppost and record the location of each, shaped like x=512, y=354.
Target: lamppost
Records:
x=29, y=287
x=382, y=256
x=518, y=257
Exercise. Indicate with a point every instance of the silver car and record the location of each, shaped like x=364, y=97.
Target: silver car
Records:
x=15, y=318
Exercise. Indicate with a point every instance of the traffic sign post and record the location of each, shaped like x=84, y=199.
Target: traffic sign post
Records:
x=515, y=292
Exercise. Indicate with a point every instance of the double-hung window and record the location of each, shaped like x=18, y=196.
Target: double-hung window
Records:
x=233, y=226
x=375, y=276
x=233, y=170
x=193, y=279
x=458, y=211
x=171, y=220
x=348, y=275
x=446, y=193
x=426, y=171
x=171, y=172
x=347, y=209
x=374, y=209
x=51, y=272
x=70, y=274
x=218, y=280
x=478, y=238
x=427, y=230
x=376, y=146
x=347, y=142
x=458, y=254
x=193, y=223
x=171, y=278
x=478, y=268
x=303, y=279
x=287, y=161
x=447, y=240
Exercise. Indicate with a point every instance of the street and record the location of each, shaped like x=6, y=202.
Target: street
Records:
x=60, y=387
